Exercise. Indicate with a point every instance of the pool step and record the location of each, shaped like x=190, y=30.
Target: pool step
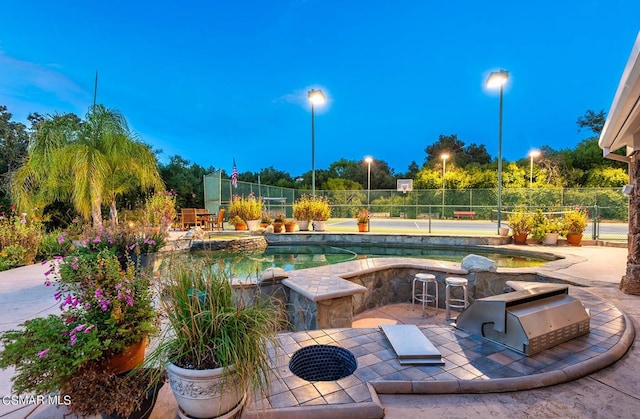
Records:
x=411, y=346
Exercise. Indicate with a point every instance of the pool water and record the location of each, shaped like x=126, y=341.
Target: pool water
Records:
x=297, y=257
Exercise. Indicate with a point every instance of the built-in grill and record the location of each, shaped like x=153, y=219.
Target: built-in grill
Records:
x=531, y=319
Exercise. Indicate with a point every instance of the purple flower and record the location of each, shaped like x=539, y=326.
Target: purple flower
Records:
x=97, y=240
x=58, y=257
x=88, y=329
x=23, y=221
x=74, y=266
x=43, y=353
x=44, y=262
x=60, y=239
x=48, y=272
x=98, y=293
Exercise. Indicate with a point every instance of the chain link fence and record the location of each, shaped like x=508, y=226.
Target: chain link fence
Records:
x=607, y=207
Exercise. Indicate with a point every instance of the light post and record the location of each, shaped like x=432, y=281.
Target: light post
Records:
x=316, y=97
x=368, y=159
x=532, y=154
x=498, y=79
x=444, y=157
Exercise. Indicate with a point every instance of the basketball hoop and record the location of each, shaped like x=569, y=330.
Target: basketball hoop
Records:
x=404, y=185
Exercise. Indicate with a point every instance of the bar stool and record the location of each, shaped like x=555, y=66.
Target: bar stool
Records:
x=454, y=281
x=423, y=280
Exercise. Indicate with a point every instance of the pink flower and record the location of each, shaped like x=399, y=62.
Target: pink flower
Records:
x=60, y=239
x=44, y=262
x=88, y=329
x=43, y=353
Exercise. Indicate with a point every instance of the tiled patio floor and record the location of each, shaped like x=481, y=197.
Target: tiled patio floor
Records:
x=472, y=364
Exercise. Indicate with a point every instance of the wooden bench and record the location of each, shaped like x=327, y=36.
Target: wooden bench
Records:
x=464, y=214
x=380, y=215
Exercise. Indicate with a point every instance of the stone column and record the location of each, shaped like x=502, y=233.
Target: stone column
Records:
x=630, y=283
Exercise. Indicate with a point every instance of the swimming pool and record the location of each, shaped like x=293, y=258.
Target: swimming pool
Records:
x=297, y=257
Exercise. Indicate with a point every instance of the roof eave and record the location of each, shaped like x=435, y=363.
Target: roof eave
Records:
x=622, y=127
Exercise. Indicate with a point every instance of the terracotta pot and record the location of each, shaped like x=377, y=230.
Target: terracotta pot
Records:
x=574, y=239
x=362, y=227
x=290, y=227
x=277, y=227
x=520, y=238
x=241, y=227
x=127, y=359
x=265, y=225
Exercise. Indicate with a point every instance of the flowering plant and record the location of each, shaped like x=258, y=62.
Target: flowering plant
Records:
x=125, y=242
x=160, y=209
x=302, y=208
x=320, y=209
x=247, y=208
x=575, y=221
x=103, y=310
x=363, y=216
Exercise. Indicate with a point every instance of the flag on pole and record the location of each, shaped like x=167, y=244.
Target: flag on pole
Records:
x=234, y=175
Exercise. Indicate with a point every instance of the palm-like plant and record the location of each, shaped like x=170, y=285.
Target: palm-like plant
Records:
x=88, y=162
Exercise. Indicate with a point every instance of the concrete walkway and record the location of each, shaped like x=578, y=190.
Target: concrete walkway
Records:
x=611, y=392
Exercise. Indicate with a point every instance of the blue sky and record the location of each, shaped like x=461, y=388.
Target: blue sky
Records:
x=217, y=80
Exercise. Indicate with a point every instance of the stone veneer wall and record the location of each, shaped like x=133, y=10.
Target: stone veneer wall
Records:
x=245, y=244
x=391, y=286
x=630, y=283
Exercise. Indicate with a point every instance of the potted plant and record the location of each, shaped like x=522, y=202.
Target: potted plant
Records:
x=575, y=223
x=521, y=223
x=265, y=221
x=554, y=227
x=278, y=222
x=248, y=208
x=320, y=212
x=363, y=220
x=107, y=315
x=238, y=223
x=290, y=226
x=538, y=226
x=302, y=212
x=216, y=346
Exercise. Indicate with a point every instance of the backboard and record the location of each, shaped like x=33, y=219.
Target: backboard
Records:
x=404, y=185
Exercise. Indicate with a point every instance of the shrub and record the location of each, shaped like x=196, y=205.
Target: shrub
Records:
x=160, y=209
x=575, y=221
x=320, y=209
x=521, y=222
x=247, y=208
x=19, y=231
x=54, y=244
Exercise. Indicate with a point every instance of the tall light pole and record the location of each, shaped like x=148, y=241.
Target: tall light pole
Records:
x=532, y=154
x=368, y=159
x=498, y=79
x=444, y=157
x=316, y=97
